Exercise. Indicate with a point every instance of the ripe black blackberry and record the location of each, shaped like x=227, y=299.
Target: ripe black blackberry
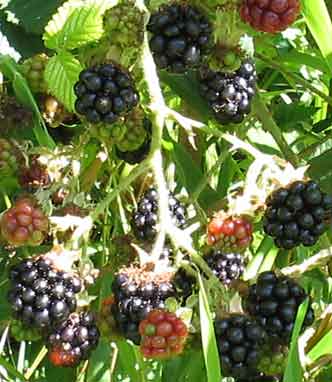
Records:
x=274, y=302
x=137, y=293
x=226, y=266
x=180, y=37
x=40, y=295
x=240, y=341
x=298, y=214
x=73, y=340
x=104, y=93
x=229, y=94
x=145, y=218
x=184, y=283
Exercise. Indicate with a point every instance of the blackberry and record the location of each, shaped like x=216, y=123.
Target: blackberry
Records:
x=240, y=340
x=24, y=223
x=229, y=94
x=270, y=16
x=8, y=158
x=226, y=266
x=298, y=214
x=40, y=295
x=274, y=302
x=163, y=335
x=13, y=116
x=33, y=68
x=135, y=156
x=145, y=218
x=180, y=37
x=73, y=340
x=136, y=294
x=184, y=283
x=34, y=176
x=104, y=93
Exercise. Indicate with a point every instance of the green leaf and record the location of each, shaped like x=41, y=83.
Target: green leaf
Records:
x=56, y=374
x=9, y=67
x=323, y=347
x=319, y=23
x=129, y=363
x=209, y=343
x=294, y=371
x=61, y=74
x=76, y=23
x=99, y=365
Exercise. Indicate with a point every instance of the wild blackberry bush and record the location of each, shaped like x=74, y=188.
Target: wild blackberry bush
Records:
x=226, y=103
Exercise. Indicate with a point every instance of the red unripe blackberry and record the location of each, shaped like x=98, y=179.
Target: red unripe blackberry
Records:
x=163, y=335
x=297, y=214
x=104, y=93
x=34, y=176
x=274, y=302
x=73, y=340
x=145, y=218
x=40, y=295
x=226, y=266
x=229, y=95
x=180, y=37
x=136, y=294
x=270, y=16
x=24, y=224
x=240, y=340
x=229, y=233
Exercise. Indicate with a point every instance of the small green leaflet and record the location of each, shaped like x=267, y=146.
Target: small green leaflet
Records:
x=294, y=371
x=209, y=342
x=61, y=74
x=323, y=347
x=76, y=23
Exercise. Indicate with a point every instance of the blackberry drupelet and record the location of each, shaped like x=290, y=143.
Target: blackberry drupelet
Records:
x=240, y=341
x=163, y=335
x=136, y=294
x=104, y=93
x=229, y=94
x=226, y=266
x=145, y=218
x=270, y=16
x=180, y=37
x=297, y=214
x=274, y=302
x=40, y=295
x=73, y=340
x=24, y=223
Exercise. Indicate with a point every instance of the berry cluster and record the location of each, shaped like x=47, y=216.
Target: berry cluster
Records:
x=104, y=93
x=229, y=233
x=229, y=94
x=73, y=340
x=226, y=266
x=8, y=158
x=180, y=37
x=163, y=335
x=270, y=16
x=184, y=284
x=136, y=294
x=274, y=302
x=145, y=218
x=34, y=176
x=297, y=214
x=240, y=341
x=40, y=295
x=24, y=224
x=33, y=68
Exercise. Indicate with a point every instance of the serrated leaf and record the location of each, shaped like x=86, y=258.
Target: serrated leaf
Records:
x=76, y=23
x=61, y=74
x=209, y=342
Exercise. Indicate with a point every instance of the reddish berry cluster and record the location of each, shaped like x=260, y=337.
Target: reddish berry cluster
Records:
x=163, y=335
x=230, y=233
x=271, y=16
x=24, y=224
x=34, y=176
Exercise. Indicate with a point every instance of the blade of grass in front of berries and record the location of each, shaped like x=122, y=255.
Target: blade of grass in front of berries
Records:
x=323, y=347
x=11, y=370
x=24, y=95
x=21, y=357
x=209, y=342
x=269, y=260
x=319, y=22
x=256, y=262
x=294, y=371
x=99, y=369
